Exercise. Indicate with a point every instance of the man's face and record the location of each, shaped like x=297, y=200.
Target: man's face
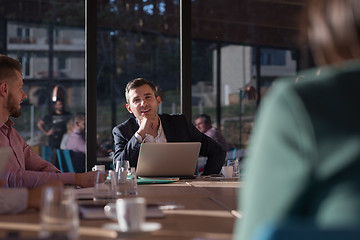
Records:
x=16, y=96
x=142, y=102
x=81, y=125
x=59, y=106
x=201, y=125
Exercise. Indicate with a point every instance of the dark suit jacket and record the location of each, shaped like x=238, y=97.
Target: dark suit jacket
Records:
x=177, y=129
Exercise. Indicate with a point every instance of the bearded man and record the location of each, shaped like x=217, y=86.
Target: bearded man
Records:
x=25, y=168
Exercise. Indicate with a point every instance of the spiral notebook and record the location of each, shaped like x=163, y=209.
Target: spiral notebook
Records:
x=175, y=159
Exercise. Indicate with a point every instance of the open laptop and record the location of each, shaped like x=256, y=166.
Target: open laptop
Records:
x=168, y=159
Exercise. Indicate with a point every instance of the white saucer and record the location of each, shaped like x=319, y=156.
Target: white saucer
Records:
x=145, y=228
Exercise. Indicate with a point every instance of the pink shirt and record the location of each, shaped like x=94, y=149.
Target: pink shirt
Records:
x=25, y=167
x=76, y=141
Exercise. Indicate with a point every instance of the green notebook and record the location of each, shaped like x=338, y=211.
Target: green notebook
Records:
x=155, y=181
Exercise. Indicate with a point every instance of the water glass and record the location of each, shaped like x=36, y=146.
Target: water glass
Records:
x=59, y=216
x=132, y=183
x=105, y=188
x=122, y=183
x=122, y=164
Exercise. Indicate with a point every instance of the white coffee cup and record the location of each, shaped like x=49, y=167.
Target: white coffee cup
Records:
x=129, y=212
x=98, y=168
x=227, y=171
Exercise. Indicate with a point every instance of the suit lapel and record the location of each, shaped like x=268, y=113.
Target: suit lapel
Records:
x=135, y=124
x=166, y=128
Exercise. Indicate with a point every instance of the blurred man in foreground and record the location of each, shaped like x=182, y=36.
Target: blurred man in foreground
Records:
x=25, y=168
x=15, y=200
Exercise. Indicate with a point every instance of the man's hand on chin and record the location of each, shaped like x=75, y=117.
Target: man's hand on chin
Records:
x=149, y=125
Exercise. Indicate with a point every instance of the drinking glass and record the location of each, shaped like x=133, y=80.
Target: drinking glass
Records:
x=124, y=164
x=59, y=216
x=235, y=164
x=105, y=189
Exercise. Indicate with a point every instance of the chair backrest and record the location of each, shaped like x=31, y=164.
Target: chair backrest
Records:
x=305, y=231
x=46, y=153
x=64, y=159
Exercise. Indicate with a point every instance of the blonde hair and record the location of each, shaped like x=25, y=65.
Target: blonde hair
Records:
x=333, y=30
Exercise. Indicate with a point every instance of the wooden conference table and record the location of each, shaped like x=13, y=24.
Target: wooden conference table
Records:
x=208, y=212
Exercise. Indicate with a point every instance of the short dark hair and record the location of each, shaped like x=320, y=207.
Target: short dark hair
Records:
x=8, y=66
x=138, y=82
x=206, y=118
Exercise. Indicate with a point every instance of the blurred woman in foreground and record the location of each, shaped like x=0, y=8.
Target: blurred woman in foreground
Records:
x=304, y=156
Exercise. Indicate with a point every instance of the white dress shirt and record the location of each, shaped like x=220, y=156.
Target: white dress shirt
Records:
x=150, y=139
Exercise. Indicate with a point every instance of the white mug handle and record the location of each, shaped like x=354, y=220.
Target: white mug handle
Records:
x=110, y=211
x=93, y=168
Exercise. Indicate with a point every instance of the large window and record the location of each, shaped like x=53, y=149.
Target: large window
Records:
x=135, y=39
x=238, y=48
x=48, y=39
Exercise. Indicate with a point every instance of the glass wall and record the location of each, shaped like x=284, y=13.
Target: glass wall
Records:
x=135, y=38
x=240, y=47
x=48, y=38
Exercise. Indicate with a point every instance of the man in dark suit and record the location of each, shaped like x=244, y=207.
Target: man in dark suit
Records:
x=149, y=126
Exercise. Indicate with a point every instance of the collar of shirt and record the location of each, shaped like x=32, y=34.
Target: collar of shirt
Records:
x=6, y=126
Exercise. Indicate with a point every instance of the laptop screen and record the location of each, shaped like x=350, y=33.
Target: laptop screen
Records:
x=177, y=159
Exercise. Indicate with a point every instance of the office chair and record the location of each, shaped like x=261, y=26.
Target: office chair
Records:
x=64, y=159
x=46, y=153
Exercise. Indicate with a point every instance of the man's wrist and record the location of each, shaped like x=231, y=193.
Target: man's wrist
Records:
x=138, y=137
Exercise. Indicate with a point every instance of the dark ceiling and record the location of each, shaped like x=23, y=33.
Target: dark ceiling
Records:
x=252, y=22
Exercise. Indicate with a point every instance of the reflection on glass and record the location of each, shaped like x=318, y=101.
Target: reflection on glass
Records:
x=135, y=39
x=50, y=45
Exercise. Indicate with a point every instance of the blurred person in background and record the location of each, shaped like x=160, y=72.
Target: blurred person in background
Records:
x=76, y=141
x=303, y=160
x=203, y=123
x=65, y=137
x=77, y=144
x=53, y=125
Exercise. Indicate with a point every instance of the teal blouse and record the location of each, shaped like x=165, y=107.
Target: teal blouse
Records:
x=304, y=155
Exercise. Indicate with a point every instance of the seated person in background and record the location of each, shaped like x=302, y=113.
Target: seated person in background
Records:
x=65, y=137
x=148, y=126
x=203, y=123
x=76, y=141
x=304, y=156
x=25, y=168
x=15, y=200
